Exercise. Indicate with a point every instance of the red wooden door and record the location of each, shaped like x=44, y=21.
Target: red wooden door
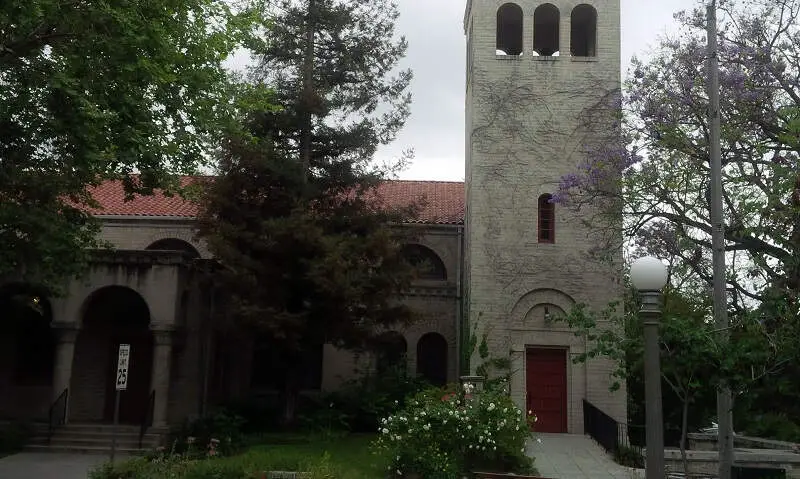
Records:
x=546, y=386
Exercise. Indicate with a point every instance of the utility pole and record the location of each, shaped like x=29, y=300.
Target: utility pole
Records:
x=724, y=398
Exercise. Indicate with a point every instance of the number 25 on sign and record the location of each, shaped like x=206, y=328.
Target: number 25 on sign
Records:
x=122, y=366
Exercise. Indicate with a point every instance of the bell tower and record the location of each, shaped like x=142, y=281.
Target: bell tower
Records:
x=542, y=81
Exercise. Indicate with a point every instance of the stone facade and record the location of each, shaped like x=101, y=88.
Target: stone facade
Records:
x=178, y=360
x=491, y=272
x=524, y=132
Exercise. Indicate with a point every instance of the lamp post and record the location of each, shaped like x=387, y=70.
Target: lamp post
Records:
x=648, y=276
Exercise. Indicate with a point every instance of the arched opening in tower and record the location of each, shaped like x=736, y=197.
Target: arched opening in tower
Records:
x=509, y=29
x=583, y=38
x=546, y=20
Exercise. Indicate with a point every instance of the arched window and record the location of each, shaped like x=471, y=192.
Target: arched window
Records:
x=391, y=348
x=583, y=40
x=547, y=219
x=428, y=264
x=432, y=358
x=546, y=19
x=509, y=29
x=174, y=244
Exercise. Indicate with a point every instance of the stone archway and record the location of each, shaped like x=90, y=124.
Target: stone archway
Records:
x=432, y=358
x=27, y=349
x=174, y=244
x=112, y=315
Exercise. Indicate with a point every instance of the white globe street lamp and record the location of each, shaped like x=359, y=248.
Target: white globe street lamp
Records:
x=649, y=276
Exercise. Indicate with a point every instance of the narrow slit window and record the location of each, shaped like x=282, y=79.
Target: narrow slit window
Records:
x=546, y=20
x=583, y=37
x=547, y=219
x=509, y=30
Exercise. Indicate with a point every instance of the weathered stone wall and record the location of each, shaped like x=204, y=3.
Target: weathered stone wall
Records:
x=524, y=132
x=138, y=233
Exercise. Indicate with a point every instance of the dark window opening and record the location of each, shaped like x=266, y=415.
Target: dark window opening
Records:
x=427, y=263
x=509, y=29
x=27, y=316
x=271, y=368
x=547, y=219
x=583, y=40
x=546, y=20
x=432, y=358
x=390, y=351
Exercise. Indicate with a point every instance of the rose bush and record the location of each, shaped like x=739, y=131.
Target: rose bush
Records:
x=441, y=434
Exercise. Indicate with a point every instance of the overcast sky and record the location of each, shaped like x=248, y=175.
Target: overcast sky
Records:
x=436, y=54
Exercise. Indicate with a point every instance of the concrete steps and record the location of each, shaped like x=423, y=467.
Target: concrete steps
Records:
x=93, y=439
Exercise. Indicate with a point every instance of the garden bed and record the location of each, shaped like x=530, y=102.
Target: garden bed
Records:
x=347, y=457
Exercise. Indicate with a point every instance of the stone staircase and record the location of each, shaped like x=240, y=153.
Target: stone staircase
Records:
x=93, y=438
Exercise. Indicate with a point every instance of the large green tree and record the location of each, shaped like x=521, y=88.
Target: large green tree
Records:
x=664, y=186
x=97, y=90
x=295, y=216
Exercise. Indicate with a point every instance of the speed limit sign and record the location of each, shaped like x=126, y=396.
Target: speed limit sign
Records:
x=123, y=361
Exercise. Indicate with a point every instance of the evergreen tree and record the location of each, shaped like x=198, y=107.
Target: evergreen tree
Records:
x=310, y=252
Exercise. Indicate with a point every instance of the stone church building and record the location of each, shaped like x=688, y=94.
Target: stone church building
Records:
x=501, y=258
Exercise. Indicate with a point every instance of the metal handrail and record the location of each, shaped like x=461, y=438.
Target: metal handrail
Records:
x=57, y=414
x=601, y=427
x=147, y=420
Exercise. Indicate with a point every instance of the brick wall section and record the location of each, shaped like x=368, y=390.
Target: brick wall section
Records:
x=515, y=154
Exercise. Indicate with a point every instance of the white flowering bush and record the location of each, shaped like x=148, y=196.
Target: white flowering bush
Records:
x=443, y=434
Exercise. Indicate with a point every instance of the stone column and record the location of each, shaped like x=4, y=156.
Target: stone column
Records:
x=66, y=334
x=159, y=382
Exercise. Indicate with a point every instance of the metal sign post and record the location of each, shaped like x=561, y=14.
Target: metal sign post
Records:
x=123, y=360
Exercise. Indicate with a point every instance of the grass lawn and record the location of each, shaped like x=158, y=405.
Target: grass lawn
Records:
x=347, y=457
x=350, y=457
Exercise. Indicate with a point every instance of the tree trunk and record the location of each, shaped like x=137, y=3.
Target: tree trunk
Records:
x=308, y=95
x=684, y=427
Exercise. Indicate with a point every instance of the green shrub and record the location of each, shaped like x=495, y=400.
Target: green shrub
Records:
x=13, y=436
x=218, y=433
x=360, y=403
x=260, y=414
x=778, y=426
x=629, y=457
x=442, y=434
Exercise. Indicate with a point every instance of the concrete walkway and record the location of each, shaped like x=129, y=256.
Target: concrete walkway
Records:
x=49, y=465
x=569, y=456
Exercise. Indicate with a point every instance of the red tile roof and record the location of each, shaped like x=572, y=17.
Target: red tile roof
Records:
x=441, y=202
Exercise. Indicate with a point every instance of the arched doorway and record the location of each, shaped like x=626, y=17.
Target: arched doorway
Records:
x=432, y=358
x=27, y=349
x=112, y=316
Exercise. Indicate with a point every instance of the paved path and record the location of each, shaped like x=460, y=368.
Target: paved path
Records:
x=569, y=456
x=47, y=465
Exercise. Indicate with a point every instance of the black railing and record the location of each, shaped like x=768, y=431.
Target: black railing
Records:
x=601, y=427
x=147, y=420
x=615, y=437
x=58, y=413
